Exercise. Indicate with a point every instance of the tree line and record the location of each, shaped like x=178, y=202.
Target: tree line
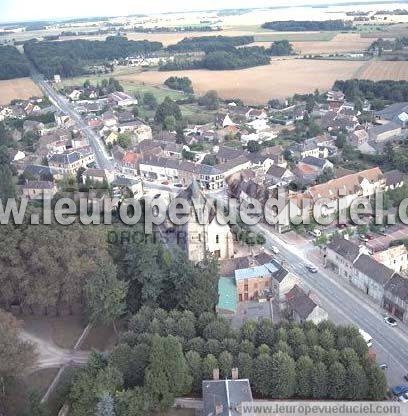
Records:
x=69, y=58
x=306, y=25
x=12, y=63
x=388, y=91
x=180, y=84
x=165, y=354
x=209, y=43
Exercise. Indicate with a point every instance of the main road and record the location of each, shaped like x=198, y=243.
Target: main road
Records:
x=103, y=160
x=345, y=306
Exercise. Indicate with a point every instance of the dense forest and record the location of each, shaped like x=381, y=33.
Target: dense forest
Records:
x=12, y=63
x=68, y=58
x=209, y=43
x=166, y=354
x=388, y=91
x=180, y=84
x=223, y=60
x=303, y=26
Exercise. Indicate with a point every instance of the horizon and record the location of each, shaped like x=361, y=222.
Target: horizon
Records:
x=10, y=9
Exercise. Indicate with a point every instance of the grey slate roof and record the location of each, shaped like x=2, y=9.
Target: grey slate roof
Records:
x=344, y=248
x=276, y=171
x=314, y=161
x=225, y=396
x=300, y=302
x=371, y=268
x=394, y=177
x=383, y=128
x=398, y=286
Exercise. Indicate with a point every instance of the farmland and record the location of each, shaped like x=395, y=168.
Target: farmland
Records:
x=380, y=70
x=21, y=88
x=257, y=85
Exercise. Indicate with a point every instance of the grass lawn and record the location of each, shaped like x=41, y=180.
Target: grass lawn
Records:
x=296, y=37
x=100, y=338
x=134, y=87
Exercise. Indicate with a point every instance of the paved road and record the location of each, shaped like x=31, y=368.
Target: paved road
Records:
x=103, y=160
x=346, y=307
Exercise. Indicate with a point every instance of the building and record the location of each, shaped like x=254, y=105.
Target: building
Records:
x=358, y=138
x=98, y=175
x=254, y=282
x=397, y=113
x=279, y=177
x=37, y=190
x=370, y=277
x=71, y=161
x=395, y=258
x=385, y=132
x=203, y=233
x=396, y=297
x=302, y=308
x=122, y=99
x=394, y=179
x=224, y=397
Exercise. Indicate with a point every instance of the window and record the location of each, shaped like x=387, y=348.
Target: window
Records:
x=217, y=239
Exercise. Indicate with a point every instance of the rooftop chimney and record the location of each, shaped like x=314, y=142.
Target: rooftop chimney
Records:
x=234, y=373
x=216, y=374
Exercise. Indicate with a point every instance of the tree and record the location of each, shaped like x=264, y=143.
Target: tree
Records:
x=304, y=366
x=7, y=188
x=225, y=360
x=169, y=123
x=136, y=402
x=167, y=108
x=283, y=375
x=195, y=364
x=16, y=355
x=149, y=101
x=319, y=381
x=337, y=381
x=156, y=381
x=262, y=375
x=105, y=294
x=210, y=363
x=105, y=406
x=210, y=100
x=253, y=146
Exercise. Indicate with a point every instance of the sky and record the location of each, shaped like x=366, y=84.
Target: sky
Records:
x=23, y=10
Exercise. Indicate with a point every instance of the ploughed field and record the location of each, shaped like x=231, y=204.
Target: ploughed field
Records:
x=19, y=88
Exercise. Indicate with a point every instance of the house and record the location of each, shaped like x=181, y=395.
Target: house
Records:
x=122, y=99
x=253, y=282
x=347, y=188
x=315, y=162
x=395, y=258
x=134, y=185
x=279, y=177
x=341, y=255
x=111, y=138
x=204, y=237
x=70, y=161
x=42, y=173
x=36, y=190
x=109, y=119
x=276, y=154
x=33, y=126
x=302, y=308
x=358, y=138
x=98, y=175
x=16, y=155
x=224, y=397
x=370, y=277
x=257, y=114
x=63, y=120
x=227, y=297
x=397, y=113
x=396, y=297
x=75, y=95
x=385, y=132
x=139, y=130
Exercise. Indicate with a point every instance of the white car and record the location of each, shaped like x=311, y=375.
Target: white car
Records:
x=275, y=250
x=403, y=398
x=390, y=321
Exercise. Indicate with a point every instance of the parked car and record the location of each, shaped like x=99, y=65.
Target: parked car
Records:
x=383, y=366
x=406, y=377
x=370, y=237
x=315, y=233
x=275, y=250
x=178, y=185
x=363, y=238
x=311, y=268
x=382, y=231
x=390, y=321
x=341, y=226
x=403, y=398
x=399, y=390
